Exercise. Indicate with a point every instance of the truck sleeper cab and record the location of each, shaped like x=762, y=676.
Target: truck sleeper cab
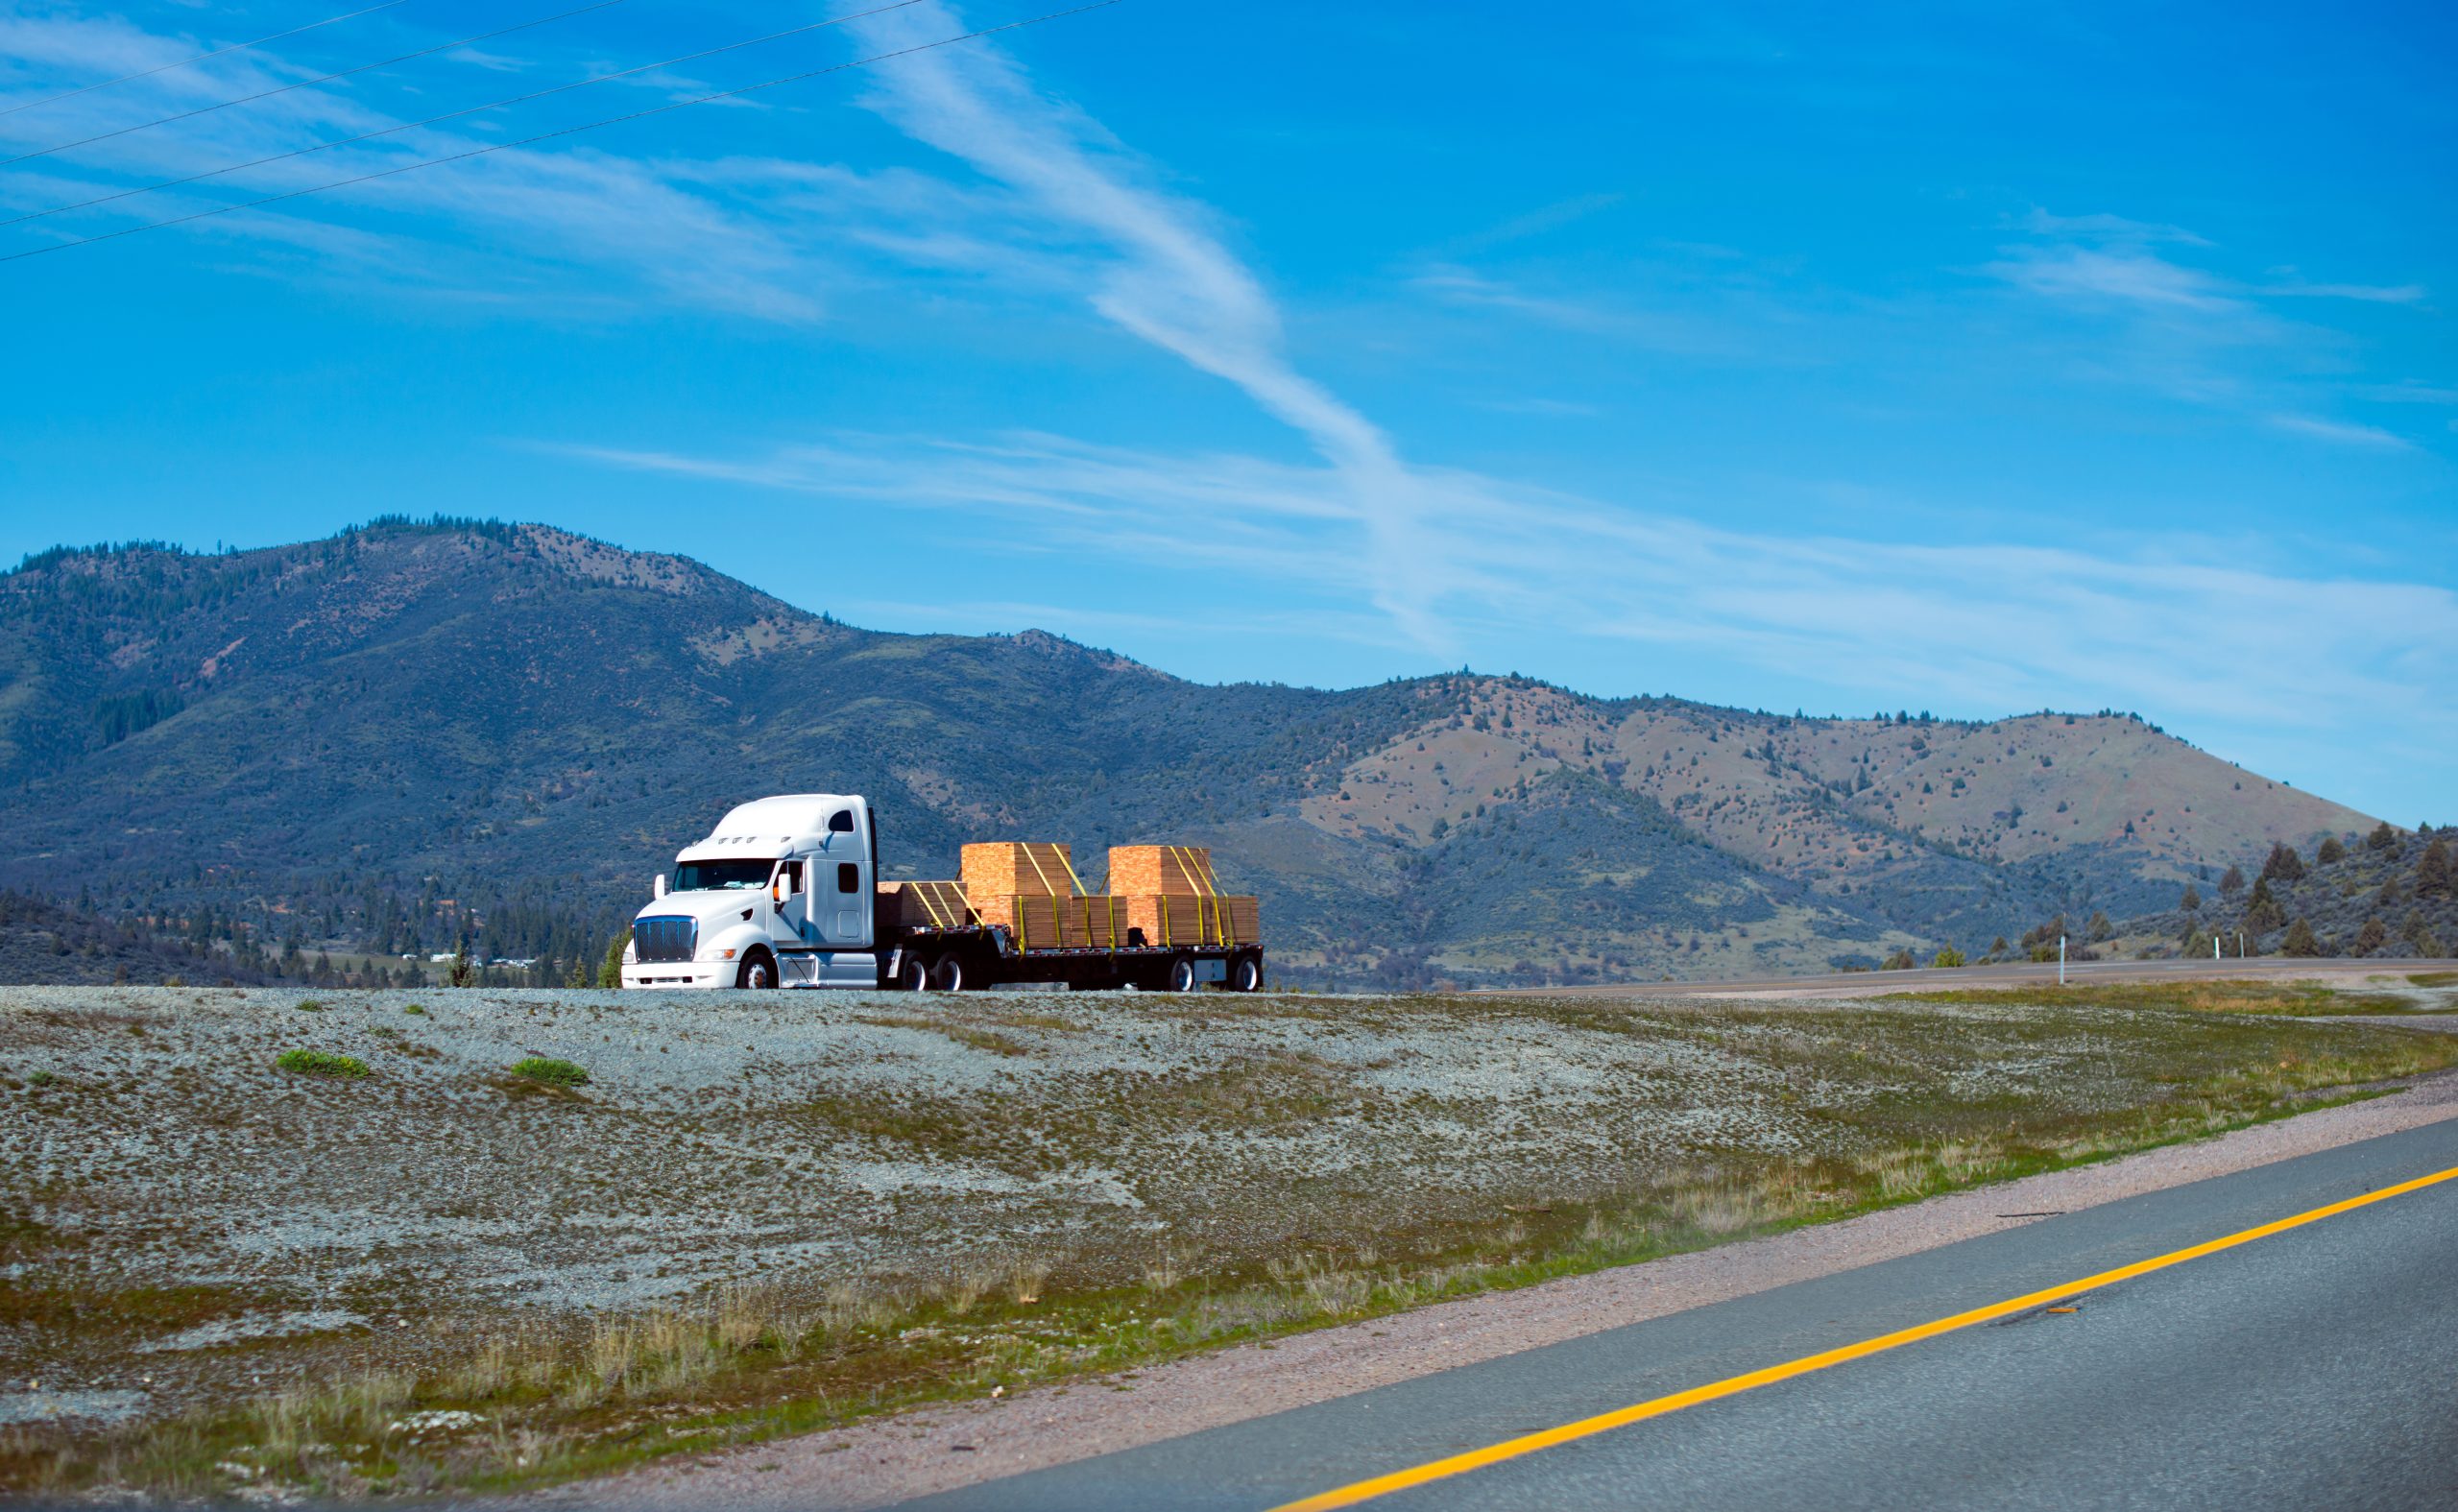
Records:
x=783, y=892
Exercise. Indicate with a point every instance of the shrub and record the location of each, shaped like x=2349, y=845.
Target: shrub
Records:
x=1900, y=961
x=553, y=1072
x=414, y=1008
x=321, y=1063
x=309, y=1005
x=2331, y=852
x=1948, y=957
x=40, y=1078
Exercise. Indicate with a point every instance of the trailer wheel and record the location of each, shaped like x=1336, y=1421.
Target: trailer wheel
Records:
x=1182, y=974
x=1245, y=974
x=914, y=973
x=758, y=970
x=947, y=976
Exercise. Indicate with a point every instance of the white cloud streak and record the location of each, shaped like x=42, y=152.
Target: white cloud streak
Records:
x=1165, y=275
x=1982, y=626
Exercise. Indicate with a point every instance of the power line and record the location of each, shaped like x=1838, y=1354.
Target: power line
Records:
x=307, y=84
x=568, y=131
x=452, y=115
x=235, y=47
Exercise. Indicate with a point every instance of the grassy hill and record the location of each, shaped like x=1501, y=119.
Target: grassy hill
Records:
x=417, y=732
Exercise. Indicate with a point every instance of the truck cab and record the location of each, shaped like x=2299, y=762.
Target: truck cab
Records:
x=777, y=895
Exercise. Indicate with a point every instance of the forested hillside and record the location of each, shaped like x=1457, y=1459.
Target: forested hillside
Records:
x=416, y=735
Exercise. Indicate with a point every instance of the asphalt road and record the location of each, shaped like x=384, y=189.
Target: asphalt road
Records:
x=2308, y=1368
x=2011, y=974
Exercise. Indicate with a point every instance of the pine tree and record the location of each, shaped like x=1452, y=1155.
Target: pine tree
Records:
x=2284, y=865
x=2099, y=928
x=2382, y=837
x=2233, y=883
x=2299, y=940
x=2332, y=852
x=2432, y=873
x=2192, y=900
x=609, y=972
x=2262, y=913
x=2372, y=937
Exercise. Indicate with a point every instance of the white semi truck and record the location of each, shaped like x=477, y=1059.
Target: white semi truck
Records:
x=784, y=893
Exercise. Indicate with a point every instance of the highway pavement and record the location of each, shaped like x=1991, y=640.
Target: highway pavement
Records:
x=2314, y=1365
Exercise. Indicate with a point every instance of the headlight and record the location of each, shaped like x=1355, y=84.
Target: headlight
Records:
x=628, y=959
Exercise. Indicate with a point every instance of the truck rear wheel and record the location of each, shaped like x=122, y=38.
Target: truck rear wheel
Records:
x=1182, y=974
x=914, y=973
x=1245, y=974
x=947, y=976
x=758, y=970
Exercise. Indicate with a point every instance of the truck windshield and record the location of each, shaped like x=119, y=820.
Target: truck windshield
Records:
x=709, y=876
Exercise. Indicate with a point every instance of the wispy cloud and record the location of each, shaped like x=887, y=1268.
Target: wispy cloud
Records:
x=2003, y=625
x=2136, y=278
x=2343, y=432
x=1161, y=273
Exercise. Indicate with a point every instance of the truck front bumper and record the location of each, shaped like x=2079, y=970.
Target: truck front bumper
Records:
x=678, y=974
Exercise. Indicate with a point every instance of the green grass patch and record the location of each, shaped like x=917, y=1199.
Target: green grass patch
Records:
x=309, y=1005
x=552, y=1073
x=2435, y=980
x=323, y=1062
x=40, y=1078
x=416, y=1011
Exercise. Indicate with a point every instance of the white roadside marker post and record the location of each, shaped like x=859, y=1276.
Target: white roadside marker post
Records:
x=2060, y=960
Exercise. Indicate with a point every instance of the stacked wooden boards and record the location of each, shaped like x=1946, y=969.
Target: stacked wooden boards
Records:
x=1172, y=897
x=1030, y=887
x=924, y=905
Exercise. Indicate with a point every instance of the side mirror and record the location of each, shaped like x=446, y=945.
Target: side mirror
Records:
x=657, y=885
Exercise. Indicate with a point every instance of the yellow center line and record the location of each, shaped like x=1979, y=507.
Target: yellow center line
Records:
x=1639, y=1413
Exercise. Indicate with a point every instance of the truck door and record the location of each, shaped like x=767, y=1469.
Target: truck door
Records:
x=840, y=884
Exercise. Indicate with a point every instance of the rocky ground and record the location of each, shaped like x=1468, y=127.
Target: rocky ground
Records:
x=807, y=1207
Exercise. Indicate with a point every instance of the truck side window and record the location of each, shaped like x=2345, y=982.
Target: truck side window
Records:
x=849, y=877
x=841, y=822
x=793, y=877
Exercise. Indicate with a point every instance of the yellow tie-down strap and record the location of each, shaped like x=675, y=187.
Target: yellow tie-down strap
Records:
x=1217, y=931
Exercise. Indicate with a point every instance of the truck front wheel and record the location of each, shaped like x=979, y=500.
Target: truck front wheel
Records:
x=758, y=970
x=914, y=973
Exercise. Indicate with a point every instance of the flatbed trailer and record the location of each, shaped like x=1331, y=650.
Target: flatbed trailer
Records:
x=974, y=956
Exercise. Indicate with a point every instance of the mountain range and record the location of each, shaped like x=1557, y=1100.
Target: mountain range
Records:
x=418, y=731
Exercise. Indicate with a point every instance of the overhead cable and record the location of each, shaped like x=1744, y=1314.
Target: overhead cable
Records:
x=235, y=47
x=455, y=115
x=308, y=84
x=568, y=131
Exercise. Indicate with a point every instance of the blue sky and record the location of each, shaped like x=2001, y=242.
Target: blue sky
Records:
x=1971, y=360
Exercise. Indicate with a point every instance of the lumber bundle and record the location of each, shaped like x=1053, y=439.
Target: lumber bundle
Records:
x=1173, y=898
x=1172, y=919
x=1174, y=870
x=1004, y=868
x=924, y=905
x=1046, y=921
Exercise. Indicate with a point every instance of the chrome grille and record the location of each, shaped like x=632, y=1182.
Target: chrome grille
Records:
x=665, y=939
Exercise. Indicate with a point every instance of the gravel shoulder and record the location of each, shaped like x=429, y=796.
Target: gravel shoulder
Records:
x=880, y=1462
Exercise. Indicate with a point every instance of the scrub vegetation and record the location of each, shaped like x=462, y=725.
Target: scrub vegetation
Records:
x=763, y=1222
